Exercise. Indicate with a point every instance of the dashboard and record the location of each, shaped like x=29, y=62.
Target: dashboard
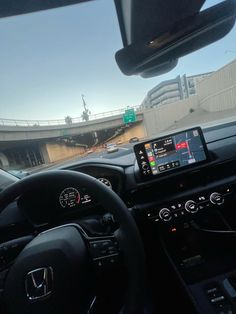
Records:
x=204, y=178
x=202, y=184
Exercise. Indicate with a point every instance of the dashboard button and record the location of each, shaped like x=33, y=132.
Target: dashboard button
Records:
x=216, y=198
x=201, y=198
x=191, y=206
x=225, y=190
x=165, y=214
x=152, y=213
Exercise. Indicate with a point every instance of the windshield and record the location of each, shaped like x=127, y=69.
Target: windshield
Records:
x=63, y=97
x=6, y=179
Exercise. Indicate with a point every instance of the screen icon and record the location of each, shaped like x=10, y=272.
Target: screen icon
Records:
x=147, y=145
x=162, y=168
x=151, y=158
x=182, y=145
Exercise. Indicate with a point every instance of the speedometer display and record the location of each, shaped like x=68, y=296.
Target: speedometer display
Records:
x=69, y=197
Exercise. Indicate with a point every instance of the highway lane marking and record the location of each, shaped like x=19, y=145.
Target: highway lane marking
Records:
x=124, y=148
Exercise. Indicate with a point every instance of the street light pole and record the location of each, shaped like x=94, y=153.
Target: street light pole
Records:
x=86, y=112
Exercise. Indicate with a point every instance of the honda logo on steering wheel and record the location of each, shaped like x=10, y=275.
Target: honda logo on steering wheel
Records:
x=38, y=283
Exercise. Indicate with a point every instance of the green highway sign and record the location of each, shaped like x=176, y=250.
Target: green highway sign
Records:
x=129, y=116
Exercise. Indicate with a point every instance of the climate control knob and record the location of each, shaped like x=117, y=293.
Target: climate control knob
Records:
x=191, y=206
x=165, y=214
x=216, y=198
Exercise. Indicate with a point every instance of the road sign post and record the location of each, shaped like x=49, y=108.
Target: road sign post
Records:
x=129, y=116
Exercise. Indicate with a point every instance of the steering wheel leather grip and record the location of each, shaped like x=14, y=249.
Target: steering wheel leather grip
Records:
x=127, y=235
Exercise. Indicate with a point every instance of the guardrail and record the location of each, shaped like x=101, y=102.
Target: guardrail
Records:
x=38, y=123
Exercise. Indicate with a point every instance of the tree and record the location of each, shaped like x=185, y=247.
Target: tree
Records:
x=68, y=120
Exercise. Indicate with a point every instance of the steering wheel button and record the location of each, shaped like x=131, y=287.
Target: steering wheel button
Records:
x=105, y=243
x=111, y=247
x=113, y=259
x=112, y=251
x=217, y=299
x=99, y=263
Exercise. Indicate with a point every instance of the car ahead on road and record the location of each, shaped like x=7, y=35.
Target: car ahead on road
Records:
x=112, y=148
x=90, y=151
x=119, y=142
x=134, y=139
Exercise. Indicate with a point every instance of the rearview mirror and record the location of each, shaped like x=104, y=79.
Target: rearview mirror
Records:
x=160, y=54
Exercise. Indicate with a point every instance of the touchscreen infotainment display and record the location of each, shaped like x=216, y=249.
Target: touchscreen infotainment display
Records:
x=171, y=152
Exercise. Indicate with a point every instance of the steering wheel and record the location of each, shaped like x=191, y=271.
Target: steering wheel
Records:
x=54, y=272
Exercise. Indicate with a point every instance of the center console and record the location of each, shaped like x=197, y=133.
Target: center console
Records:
x=198, y=237
x=189, y=203
x=205, y=259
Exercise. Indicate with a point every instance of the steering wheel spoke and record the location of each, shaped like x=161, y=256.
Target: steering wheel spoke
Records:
x=104, y=251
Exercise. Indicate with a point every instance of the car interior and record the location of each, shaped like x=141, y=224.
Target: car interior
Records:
x=128, y=234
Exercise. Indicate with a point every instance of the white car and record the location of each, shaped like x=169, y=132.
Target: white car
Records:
x=112, y=148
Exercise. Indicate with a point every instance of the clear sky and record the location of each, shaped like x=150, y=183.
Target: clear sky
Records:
x=48, y=59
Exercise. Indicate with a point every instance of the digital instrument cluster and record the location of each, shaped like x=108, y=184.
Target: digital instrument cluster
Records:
x=71, y=197
x=172, y=152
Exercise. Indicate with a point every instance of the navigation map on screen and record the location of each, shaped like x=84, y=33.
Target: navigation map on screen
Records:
x=171, y=152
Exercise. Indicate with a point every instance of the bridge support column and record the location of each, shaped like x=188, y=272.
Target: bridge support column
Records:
x=53, y=152
x=4, y=163
x=95, y=135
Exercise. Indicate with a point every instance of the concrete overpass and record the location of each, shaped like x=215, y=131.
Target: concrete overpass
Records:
x=30, y=143
x=28, y=130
